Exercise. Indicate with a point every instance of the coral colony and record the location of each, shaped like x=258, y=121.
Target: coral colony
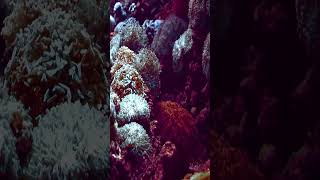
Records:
x=159, y=102
x=68, y=110
x=54, y=93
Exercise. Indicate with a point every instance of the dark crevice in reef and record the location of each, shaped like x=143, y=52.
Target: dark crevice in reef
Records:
x=264, y=84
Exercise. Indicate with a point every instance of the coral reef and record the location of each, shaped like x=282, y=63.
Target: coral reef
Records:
x=54, y=93
x=159, y=90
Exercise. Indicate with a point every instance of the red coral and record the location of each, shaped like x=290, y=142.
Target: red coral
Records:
x=177, y=125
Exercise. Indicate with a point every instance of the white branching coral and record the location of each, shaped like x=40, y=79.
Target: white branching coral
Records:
x=71, y=140
x=180, y=48
x=9, y=161
x=56, y=54
x=133, y=107
x=134, y=136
